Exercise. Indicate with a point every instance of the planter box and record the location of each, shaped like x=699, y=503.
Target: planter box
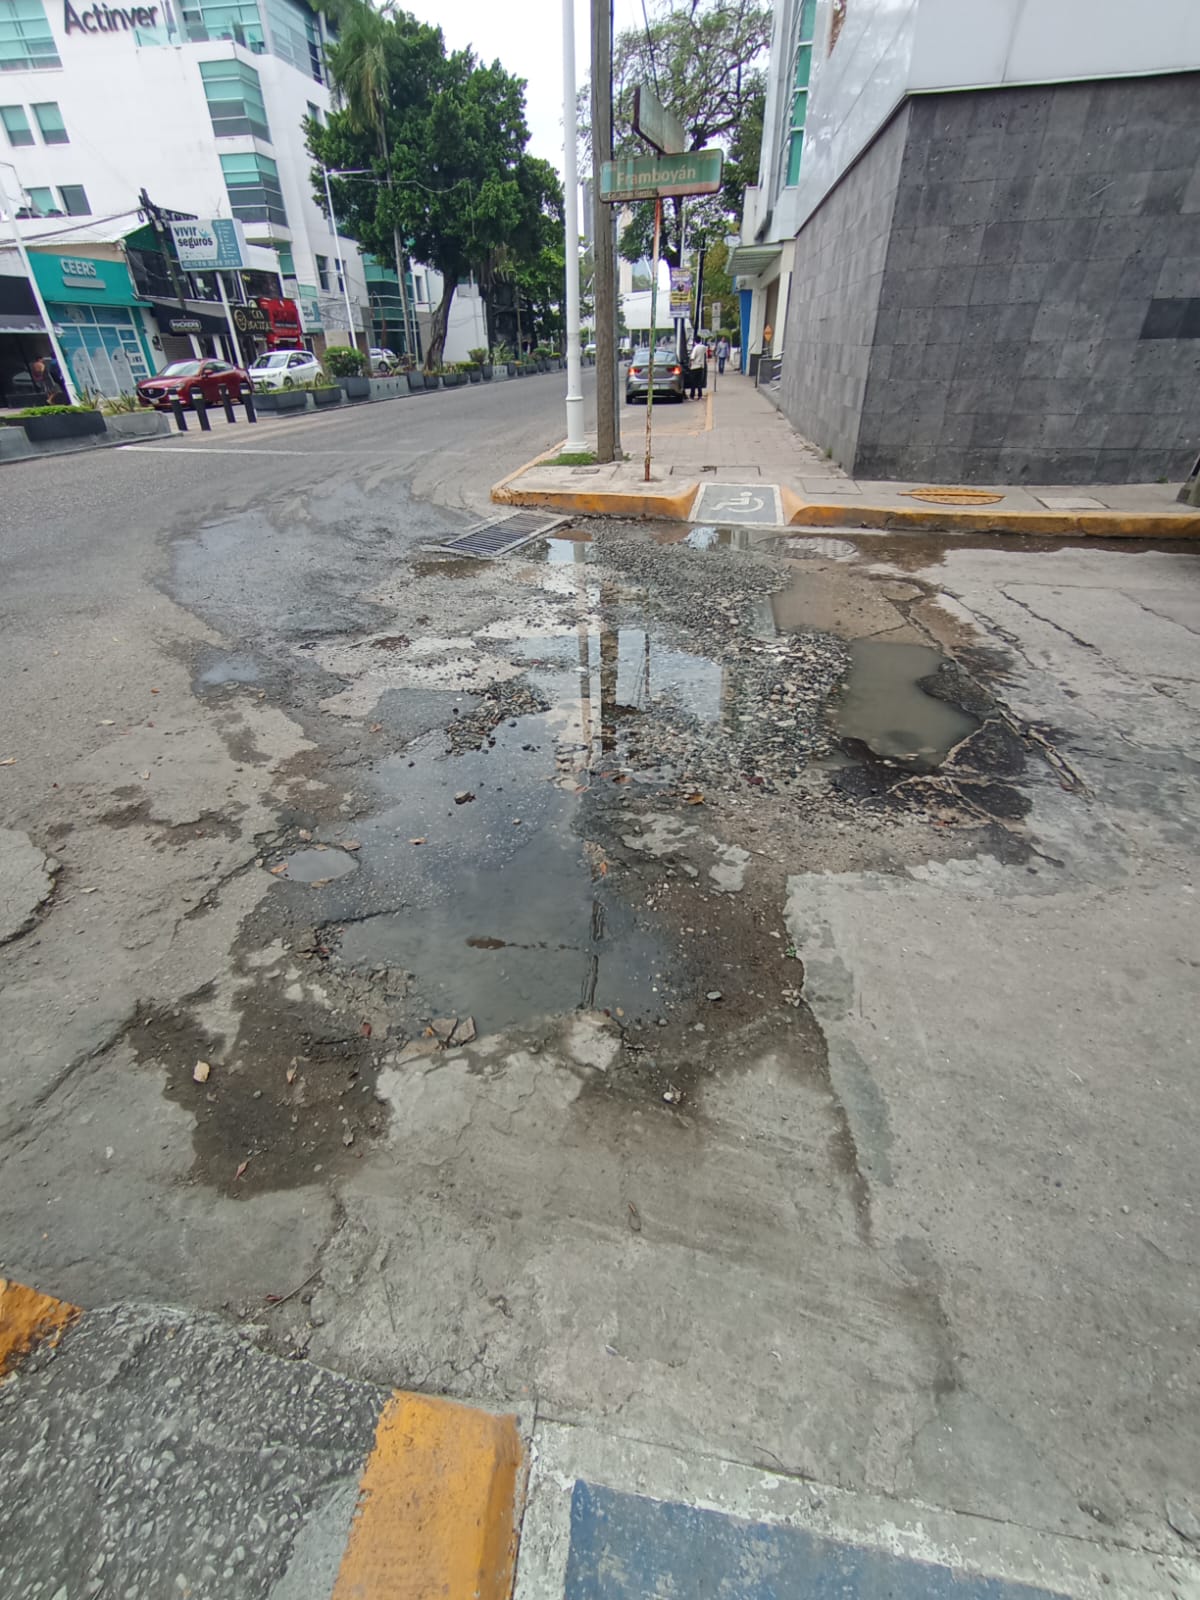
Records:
x=355, y=388
x=71, y=425
x=282, y=400
x=137, y=424
x=511, y=369
x=486, y=371
x=416, y=382
x=475, y=377
x=327, y=397
x=433, y=380
x=453, y=380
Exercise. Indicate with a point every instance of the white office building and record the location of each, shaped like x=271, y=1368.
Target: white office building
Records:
x=198, y=103
x=975, y=240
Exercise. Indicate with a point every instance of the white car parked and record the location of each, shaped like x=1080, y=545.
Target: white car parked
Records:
x=285, y=369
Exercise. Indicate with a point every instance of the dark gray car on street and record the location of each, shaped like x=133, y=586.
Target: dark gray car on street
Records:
x=669, y=377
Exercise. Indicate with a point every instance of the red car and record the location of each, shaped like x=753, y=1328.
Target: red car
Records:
x=184, y=380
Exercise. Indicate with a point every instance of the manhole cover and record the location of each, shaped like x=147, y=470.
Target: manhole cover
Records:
x=954, y=497
x=499, y=535
x=739, y=502
x=822, y=549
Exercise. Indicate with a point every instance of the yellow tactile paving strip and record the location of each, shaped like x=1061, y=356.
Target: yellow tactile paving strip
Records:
x=439, y=1506
x=27, y=1318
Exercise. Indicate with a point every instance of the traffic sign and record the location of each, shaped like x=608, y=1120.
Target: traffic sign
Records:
x=660, y=128
x=650, y=177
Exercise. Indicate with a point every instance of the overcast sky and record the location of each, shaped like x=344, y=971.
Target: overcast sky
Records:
x=526, y=35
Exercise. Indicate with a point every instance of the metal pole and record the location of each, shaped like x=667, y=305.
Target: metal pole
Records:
x=237, y=348
x=653, y=331
x=575, y=440
x=59, y=356
x=341, y=265
x=605, y=271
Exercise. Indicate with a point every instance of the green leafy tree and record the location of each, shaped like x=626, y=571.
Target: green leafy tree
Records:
x=443, y=138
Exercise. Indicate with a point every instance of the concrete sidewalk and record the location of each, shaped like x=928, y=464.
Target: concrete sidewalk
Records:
x=734, y=458
x=149, y=1451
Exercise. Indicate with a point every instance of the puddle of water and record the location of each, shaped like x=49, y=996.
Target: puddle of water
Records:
x=706, y=536
x=311, y=866
x=883, y=705
x=229, y=669
x=504, y=910
x=566, y=546
x=646, y=672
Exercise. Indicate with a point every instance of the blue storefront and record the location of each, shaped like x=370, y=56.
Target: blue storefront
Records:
x=98, y=320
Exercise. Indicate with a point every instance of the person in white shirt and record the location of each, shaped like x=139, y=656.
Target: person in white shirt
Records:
x=697, y=370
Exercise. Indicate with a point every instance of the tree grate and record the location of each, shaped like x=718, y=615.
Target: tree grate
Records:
x=499, y=535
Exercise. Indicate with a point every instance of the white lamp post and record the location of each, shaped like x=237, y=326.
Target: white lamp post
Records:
x=575, y=440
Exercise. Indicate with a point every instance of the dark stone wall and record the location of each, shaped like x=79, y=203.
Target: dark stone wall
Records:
x=1038, y=315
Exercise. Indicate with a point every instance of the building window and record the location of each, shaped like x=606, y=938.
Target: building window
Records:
x=253, y=185
x=225, y=19
x=74, y=200
x=323, y=272
x=16, y=125
x=287, y=263
x=50, y=123
x=314, y=113
x=294, y=36
x=26, y=42
x=801, y=69
x=235, y=100
x=42, y=202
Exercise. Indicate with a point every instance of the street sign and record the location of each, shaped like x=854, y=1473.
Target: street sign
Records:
x=650, y=177
x=218, y=245
x=660, y=128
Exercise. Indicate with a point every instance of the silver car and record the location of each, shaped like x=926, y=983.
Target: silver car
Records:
x=670, y=378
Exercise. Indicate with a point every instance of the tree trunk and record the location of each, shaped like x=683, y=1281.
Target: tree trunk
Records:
x=441, y=321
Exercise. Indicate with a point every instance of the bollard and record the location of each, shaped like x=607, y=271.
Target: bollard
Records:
x=227, y=402
x=251, y=414
x=202, y=414
x=180, y=419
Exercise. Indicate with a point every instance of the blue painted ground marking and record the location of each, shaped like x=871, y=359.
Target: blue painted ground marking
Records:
x=624, y=1547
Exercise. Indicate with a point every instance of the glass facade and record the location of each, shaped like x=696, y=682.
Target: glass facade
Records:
x=103, y=345
x=294, y=36
x=26, y=42
x=235, y=99
x=50, y=123
x=801, y=67
x=252, y=182
x=238, y=20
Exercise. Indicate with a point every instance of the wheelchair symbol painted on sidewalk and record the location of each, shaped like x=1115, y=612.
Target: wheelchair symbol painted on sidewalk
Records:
x=736, y=502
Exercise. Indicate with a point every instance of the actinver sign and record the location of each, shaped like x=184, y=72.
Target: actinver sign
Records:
x=108, y=19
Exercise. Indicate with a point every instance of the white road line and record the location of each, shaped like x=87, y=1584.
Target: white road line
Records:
x=242, y=450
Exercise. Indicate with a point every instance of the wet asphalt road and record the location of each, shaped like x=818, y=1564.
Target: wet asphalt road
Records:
x=875, y=1170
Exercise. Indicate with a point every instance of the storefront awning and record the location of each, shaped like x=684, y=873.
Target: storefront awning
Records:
x=751, y=260
x=13, y=322
x=194, y=316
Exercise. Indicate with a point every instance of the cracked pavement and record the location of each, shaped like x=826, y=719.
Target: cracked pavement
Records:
x=829, y=1109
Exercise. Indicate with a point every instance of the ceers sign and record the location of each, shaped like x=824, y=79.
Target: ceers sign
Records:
x=108, y=19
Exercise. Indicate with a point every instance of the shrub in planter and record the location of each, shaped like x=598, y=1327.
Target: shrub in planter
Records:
x=345, y=361
x=44, y=423
x=477, y=356
x=474, y=372
x=282, y=400
x=325, y=394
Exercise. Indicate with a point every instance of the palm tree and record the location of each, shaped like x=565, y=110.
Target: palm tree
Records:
x=358, y=65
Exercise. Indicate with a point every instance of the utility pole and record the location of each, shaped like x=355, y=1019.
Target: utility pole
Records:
x=605, y=271
x=575, y=440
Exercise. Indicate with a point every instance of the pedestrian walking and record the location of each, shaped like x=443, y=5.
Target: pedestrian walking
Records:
x=722, y=355
x=697, y=369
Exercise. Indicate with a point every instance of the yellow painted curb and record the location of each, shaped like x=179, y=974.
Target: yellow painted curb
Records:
x=671, y=506
x=27, y=1318
x=498, y=489
x=439, y=1506
x=1071, y=524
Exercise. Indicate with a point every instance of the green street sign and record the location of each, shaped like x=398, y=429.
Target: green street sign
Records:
x=649, y=177
x=660, y=128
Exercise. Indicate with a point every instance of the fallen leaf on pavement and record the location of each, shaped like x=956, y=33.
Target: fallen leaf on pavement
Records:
x=694, y=800
x=200, y=1072
x=376, y=727
x=635, y=1218
x=154, y=691
x=241, y=1169
x=88, y=891
x=417, y=841
x=145, y=776
x=319, y=883
x=291, y=1071
x=9, y=761
x=108, y=722
x=352, y=844
x=277, y=872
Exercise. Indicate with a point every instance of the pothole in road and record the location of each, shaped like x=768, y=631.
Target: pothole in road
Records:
x=883, y=705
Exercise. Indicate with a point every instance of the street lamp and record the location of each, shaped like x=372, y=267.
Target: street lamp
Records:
x=411, y=338
x=354, y=172
x=59, y=356
x=575, y=440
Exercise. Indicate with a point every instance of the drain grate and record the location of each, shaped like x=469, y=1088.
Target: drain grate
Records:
x=499, y=535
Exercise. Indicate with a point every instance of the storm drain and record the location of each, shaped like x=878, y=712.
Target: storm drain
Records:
x=499, y=535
